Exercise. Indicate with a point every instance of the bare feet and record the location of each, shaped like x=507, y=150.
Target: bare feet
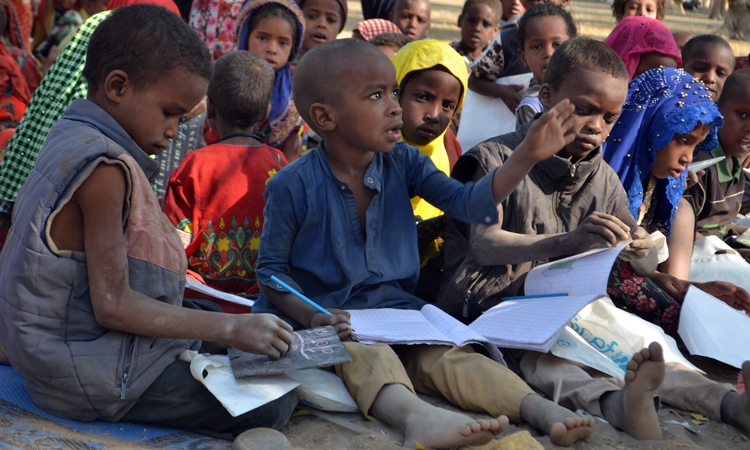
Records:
x=563, y=426
x=735, y=408
x=428, y=425
x=632, y=409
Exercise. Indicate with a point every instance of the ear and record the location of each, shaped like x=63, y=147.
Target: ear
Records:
x=116, y=86
x=268, y=111
x=322, y=117
x=460, y=19
x=545, y=96
x=523, y=57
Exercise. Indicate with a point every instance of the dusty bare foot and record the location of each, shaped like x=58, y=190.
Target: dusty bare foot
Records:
x=440, y=428
x=735, y=408
x=631, y=409
x=563, y=426
x=428, y=425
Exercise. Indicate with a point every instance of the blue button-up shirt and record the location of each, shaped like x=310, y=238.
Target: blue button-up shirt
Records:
x=312, y=238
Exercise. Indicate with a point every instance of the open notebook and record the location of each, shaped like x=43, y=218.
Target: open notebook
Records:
x=430, y=325
x=535, y=323
x=530, y=323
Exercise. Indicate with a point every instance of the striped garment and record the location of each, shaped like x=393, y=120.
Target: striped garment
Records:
x=62, y=84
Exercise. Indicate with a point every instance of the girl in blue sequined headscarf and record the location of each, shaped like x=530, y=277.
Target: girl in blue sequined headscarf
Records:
x=662, y=105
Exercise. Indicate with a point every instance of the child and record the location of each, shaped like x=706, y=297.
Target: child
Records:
x=717, y=196
x=654, y=9
x=324, y=19
x=710, y=58
x=215, y=197
x=55, y=20
x=340, y=228
x=512, y=12
x=590, y=211
x=540, y=32
x=273, y=30
x=97, y=327
x=502, y=59
x=370, y=28
x=412, y=17
x=479, y=23
x=432, y=83
x=643, y=44
x=681, y=38
x=389, y=43
x=668, y=116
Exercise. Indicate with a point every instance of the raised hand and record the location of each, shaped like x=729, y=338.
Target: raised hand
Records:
x=550, y=133
x=264, y=334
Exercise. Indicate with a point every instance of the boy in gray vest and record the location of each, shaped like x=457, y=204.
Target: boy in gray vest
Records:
x=92, y=276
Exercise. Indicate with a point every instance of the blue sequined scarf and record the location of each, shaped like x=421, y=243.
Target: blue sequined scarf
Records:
x=661, y=103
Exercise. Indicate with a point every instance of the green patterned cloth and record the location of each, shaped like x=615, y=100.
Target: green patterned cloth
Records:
x=62, y=84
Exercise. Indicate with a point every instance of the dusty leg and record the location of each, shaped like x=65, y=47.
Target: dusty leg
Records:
x=428, y=425
x=631, y=409
x=562, y=425
x=735, y=408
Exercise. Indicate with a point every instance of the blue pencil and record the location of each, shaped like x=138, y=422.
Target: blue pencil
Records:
x=301, y=296
x=523, y=297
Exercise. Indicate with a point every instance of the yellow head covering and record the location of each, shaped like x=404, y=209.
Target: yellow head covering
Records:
x=422, y=55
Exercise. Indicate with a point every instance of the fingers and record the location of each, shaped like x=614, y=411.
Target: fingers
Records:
x=610, y=230
x=517, y=87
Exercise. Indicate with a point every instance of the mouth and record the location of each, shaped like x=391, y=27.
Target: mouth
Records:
x=516, y=10
x=587, y=142
x=158, y=148
x=427, y=132
x=675, y=173
x=271, y=62
x=394, y=133
x=744, y=145
x=319, y=38
x=410, y=34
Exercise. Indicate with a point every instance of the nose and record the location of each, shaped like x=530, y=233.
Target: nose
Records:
x=548, y=51
x=394, y=107
x=171, y=131
x=595, y=125
x=709, y=77
x=431, y=114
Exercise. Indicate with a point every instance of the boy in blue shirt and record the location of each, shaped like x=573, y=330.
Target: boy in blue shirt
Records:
x=339, y=227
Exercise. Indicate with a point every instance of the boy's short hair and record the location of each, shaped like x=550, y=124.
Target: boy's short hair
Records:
x=494, y=5
x=544, y=10
x=315, y=70
x=393, y=40
x=618, y=9
x=241, y=88
x=736, y=85
x=583, y=53
x=147, y=42
x=703, y=40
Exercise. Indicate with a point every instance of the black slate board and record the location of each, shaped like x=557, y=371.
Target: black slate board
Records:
x=317, y=347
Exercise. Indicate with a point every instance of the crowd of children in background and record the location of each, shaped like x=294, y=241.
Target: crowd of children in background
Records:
x=321, y=155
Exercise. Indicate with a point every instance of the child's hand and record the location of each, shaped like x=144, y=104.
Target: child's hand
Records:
x=640, y=247
x=692, y=178
x=598, y=230
x=510, y=95
x=550, y=133
x=340, y=321
x=732, y=295
x=673, y=286
x=263, y=334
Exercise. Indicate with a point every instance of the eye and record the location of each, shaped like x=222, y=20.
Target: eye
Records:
x=396, y=93
x=742, y=114
x=682, y=141
x=581, y=112
x=376, y=96
x=449, y=106
x=610, y=120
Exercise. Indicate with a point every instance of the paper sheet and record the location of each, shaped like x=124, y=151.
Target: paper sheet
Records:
x=582, y=274
x=324, y=390
x=203, y=289
x=714, y=329
x=237, y=396
x=611, y=337
x=484, y=117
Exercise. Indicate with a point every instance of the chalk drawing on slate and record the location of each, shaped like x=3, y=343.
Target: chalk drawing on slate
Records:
x=317, y=347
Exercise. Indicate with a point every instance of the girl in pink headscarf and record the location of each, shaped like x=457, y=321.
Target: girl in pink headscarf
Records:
x=644, y=44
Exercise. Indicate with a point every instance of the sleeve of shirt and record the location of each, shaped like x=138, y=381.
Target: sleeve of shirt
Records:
x=524, y=113
x=285, y=206
x=617, y=199
x=469, y=203
x=490, y=65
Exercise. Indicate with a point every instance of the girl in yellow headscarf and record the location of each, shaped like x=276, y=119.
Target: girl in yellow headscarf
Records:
x=433, y=79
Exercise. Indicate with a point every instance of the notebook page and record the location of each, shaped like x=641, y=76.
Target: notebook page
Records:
x=586, y=273
x=394, y=326
x=529, y=323
x=456, y=331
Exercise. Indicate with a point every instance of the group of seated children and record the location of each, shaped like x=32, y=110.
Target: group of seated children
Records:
x=92, y=280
